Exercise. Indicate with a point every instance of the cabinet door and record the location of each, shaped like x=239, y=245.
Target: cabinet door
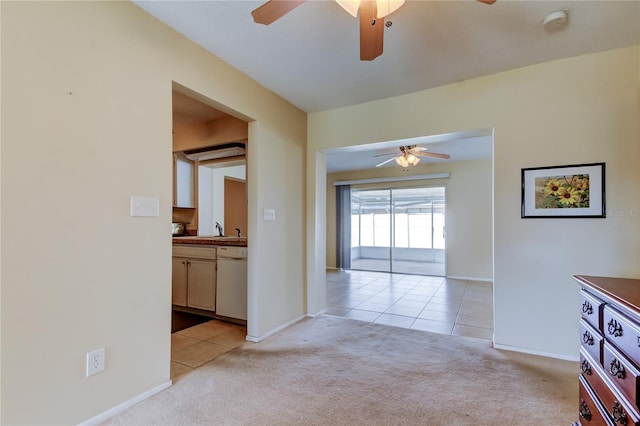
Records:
x=179, y=281
x=183, y=182
x=201, y=290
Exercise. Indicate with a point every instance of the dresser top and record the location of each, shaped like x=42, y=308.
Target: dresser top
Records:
x=625, y=291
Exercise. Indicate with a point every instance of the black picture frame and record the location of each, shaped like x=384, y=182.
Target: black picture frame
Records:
x=568, y=191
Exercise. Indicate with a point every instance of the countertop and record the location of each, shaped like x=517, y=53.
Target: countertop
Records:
x=211, y=241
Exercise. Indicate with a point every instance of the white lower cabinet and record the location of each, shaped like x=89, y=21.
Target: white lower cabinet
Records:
x=194, y=277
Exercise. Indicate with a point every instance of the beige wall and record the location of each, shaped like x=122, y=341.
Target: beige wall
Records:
x=571, y=111
x=86, y=123
x=469, y=217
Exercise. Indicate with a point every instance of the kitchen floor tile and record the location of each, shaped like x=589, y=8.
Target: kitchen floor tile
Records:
x=178, y=369
x=179, y=342
x=200, y=353
x=205, y=330
x=231, y=338
x=201, y=343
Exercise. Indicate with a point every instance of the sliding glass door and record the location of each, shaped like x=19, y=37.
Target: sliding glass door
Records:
x=398, y=230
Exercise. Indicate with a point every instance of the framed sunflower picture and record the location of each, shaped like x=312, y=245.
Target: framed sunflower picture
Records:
x=572, y=191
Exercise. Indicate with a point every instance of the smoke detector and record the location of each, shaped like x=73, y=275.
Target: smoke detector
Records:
x=555, y=20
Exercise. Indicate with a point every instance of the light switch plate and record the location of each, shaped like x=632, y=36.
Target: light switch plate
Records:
x=269, y=214
x=145, y=206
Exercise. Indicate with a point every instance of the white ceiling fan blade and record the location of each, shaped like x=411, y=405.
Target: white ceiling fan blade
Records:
x=386, y=161
x=432, y=154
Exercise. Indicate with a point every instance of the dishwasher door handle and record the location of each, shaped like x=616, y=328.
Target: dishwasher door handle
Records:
x=231, y=258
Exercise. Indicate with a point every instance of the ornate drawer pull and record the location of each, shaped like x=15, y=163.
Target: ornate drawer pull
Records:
x=619, y=415
x=585, y=368
x=617, y=369
x=585, y=413
x=587, y=338
x=615, y=329
x=587, y=308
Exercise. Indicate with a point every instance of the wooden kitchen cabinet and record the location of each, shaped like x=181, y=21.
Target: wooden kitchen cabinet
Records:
x=201, y=284
x=194, y=277
x=179, y=281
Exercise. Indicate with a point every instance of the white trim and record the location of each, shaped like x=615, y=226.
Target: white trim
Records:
x=469, y=278
x=391, y=179
x=539, y=353
x=275, y=330
x=126, y=404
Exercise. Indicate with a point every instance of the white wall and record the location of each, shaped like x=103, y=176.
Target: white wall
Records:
x=571, y=111
x=469, y=218
x=86, y=123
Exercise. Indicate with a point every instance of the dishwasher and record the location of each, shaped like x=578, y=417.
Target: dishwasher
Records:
x=231, y=286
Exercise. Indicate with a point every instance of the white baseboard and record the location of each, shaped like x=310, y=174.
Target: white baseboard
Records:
x=126, y=404
x=470, y=278
x=275, y=330
x=539, y=353
x=317, y=314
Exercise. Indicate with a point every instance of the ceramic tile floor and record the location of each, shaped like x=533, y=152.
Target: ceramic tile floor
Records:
x=197, y=345
x=436, y=304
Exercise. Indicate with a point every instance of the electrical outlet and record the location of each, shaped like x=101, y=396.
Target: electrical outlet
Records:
x=95, y=362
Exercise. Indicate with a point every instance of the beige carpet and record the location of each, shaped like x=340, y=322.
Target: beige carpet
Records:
x=337, y=371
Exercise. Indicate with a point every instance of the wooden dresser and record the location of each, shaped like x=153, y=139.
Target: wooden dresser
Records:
x=609, y=351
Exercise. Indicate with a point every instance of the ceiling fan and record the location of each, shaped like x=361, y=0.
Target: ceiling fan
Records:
x=371, y=12
x=409, y=155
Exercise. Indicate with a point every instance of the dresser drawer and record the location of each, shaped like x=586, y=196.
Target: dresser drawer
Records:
x=591, y=340
x=591, y=411
x=590, y=308
x=623, y=332
x=622, y=372
x=587, y=364
x=617, y=408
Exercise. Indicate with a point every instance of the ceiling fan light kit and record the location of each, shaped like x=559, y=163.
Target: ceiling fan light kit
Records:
x=372, y=14
x=410, y=156
x=383, y=7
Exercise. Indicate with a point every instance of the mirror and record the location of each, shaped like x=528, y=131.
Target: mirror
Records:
x=222, y=197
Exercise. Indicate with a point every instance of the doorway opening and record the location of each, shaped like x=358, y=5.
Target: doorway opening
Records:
x=398, y=230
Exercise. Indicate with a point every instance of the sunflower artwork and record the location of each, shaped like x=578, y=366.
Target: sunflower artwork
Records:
x=558, y=192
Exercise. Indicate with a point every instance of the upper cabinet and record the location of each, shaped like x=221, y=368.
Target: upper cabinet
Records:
x=184, y=189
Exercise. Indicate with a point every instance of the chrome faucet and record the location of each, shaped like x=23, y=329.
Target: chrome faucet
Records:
x=239, y=233
x=219, y=228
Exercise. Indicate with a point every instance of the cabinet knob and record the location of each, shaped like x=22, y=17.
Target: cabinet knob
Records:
x=585, y=368
x=587, y=308
x=585, y=413
x=587, y=338
x=616, y=369
x=619, y=415
x=614, y=328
